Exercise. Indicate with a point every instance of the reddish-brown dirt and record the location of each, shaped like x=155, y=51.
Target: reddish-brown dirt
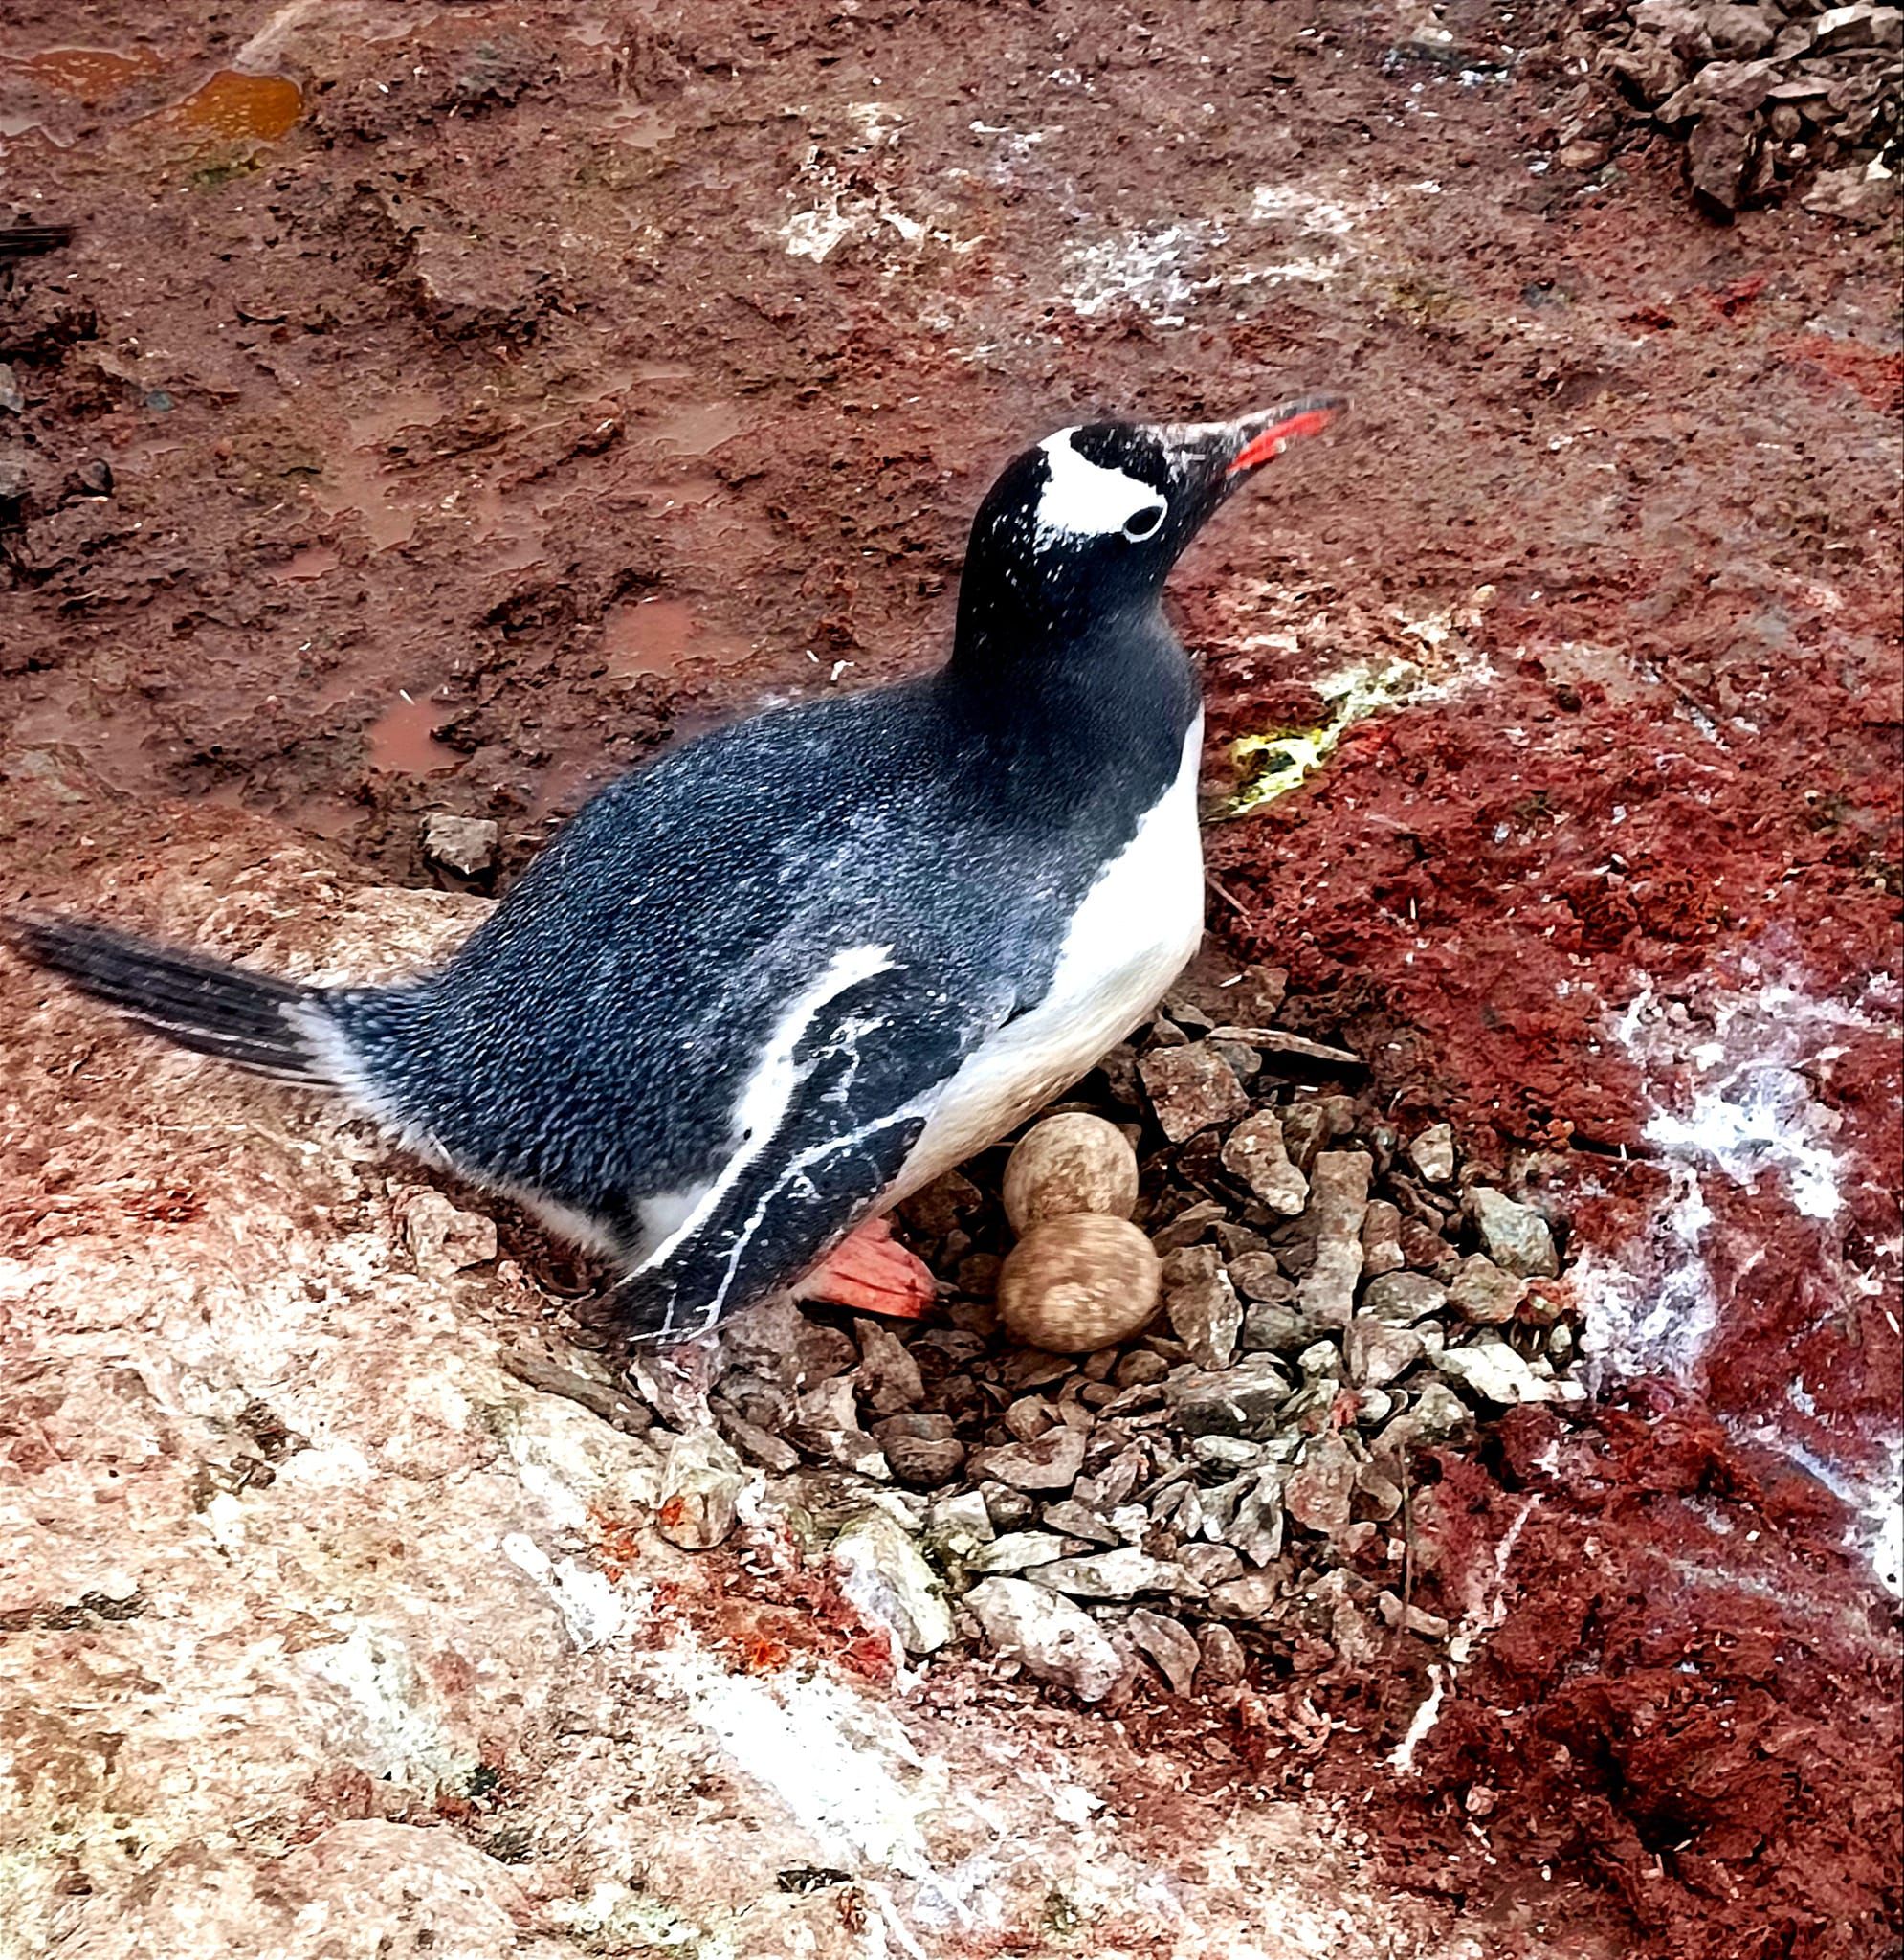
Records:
x=488, y=394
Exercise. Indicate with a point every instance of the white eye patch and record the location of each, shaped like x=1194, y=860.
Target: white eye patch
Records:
x=1083, y=499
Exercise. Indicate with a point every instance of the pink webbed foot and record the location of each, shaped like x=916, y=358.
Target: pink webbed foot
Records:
x=871, y=1272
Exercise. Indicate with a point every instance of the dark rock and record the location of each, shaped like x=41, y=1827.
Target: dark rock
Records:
x=888, y=1376
x=1187, y=1226
x=1274, y=1326
x=1401, y=1299
x=1240, y=1401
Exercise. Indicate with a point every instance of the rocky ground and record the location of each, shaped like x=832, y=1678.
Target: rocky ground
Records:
x=438, y=407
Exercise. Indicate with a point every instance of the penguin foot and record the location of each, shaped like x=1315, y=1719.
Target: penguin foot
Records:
x=871, y=1272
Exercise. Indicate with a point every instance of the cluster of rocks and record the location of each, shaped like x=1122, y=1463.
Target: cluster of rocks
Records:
x=1762, y=95
x=1339, y=1301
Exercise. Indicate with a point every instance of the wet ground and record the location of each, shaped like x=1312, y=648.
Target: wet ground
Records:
x=485, y=398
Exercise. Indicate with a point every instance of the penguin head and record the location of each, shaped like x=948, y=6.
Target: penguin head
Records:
x=1090, y=521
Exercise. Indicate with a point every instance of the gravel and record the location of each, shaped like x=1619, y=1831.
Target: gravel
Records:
x=1227, y=1487
x=1764, y=98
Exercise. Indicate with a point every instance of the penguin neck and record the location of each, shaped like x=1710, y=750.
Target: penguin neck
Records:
x=1104, y=688
x=1005, y=645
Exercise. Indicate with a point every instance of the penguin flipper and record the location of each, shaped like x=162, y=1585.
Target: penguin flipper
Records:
x=870, y=1067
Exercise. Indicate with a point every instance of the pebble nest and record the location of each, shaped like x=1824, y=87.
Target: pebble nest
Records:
x=1764, y=97
x=1242, y=1482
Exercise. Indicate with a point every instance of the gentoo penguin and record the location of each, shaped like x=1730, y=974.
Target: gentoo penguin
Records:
x=753, y=995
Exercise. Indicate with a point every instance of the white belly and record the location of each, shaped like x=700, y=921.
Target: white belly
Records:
x=1132, y=936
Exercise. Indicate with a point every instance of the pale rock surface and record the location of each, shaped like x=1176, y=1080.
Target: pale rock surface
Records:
x=323, y=1632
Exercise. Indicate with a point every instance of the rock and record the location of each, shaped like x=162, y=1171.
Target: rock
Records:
x=827, y=1424
x=1078, y=1521
x=1185, y=1227
x=1377, y=1353
x=1226, y=1452
x=1049, y=1635
x=1050, y=1464
x=1254, y=1151
x=1719, y=156
x=1306, y=1126
x=1430, y=1626
x=1256, y=1276
x=1008, y=1510
x=1380, y=1239
x=1401, y=1299
x=1250, y=1597
x=1170, y=1644
x=1190, y=1263
x=777, y=1342
x=1857, y=27
x=1321, y=1360
x=1120, y=1575
x=1275, y=1327
x=1141, y=1368
x=1676, y=24
x=1338, y=1201
x=1437, y=1411
x=1190, y=1089
x=950, y=1202
x=770, y=1451
x=1078, y=1283
x=921, y=1448
x=1483, y=1293
x=463, y=844
x=1862, y=194
x=1380, y=1493
x=887, y=1376
x=1496, y=1372
x=1514, y=1236
x=1211, y=1565
x=1239, y=1401
x=1206, y=1317
x=881, y=1572
x=1581, y=156
x=701, y=1483
x=1255, y=1529
x=1652, y=72
x=1220, y=1654
x=1320, y=1491
x=11, y=401
x=1068, y=1164
x=1016, y=1551
x=1433, y=1152
x=443, y=1239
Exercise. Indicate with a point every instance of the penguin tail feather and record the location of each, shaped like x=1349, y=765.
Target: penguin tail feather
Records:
x=254, y=1021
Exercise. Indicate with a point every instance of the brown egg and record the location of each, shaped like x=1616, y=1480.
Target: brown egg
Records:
x=1079, y=1282
x=1072, y=1163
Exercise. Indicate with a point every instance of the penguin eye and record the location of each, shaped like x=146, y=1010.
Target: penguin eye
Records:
x=1146, y=523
